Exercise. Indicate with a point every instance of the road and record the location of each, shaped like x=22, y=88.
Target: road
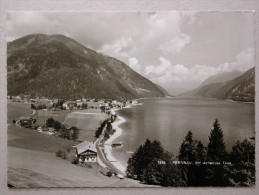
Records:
x=103, y=158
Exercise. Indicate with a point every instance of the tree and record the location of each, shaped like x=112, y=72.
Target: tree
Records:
x=200, y=152
x=50, y=122
x=165, y=173
x=192, y=151
x=187, y=149
x=216, y=175
x=153, y=165
x=242, y=169
x=216, y=146
x=102, y=108
x=84, y=105
x=106, y=135
x=75, y=133
x=100, y=129
x=243, y=152
x=144, y=155
x=57, y=125
x=64, y=132
x=108, y=126
x=33, y=107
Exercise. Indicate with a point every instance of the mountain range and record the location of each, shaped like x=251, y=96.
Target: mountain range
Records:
x=57, y=66
x=232, y=85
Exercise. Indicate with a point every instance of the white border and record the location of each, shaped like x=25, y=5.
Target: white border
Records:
x=119, y=6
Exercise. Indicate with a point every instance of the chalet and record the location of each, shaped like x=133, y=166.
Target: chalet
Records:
x=86, y=152
x=79, y=103
x=65, y=106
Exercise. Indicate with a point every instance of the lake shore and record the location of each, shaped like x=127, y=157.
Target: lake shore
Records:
x=118, y=132
x=108, y=144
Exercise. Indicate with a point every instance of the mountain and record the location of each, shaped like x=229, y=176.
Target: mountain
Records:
x=221, y=77
x=59, y=67
x=241, y=88
x=164, y=91
x=218, y=78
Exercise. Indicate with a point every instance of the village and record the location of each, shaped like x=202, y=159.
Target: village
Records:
x=84, y=152
x=61, y=104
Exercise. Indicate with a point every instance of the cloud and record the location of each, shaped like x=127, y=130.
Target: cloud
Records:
x=245, y=58
x=157, y=71
x=176, y=44
x=179, y=76
x=189, y=16
x=119, y=34
x=116, y=48
x=243, y=61
x=134, y=64
x=167, y=74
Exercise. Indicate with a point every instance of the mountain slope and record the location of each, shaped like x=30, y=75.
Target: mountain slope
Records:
x=221, y=77
x=58, y=66
x=165, y=92
x=218, y=78
x=241, y=88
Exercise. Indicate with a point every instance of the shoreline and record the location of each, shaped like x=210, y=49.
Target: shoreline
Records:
x=107, y=145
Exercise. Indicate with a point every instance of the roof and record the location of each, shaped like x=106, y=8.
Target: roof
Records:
x=86, y=145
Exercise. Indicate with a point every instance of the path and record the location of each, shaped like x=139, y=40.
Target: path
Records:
x=103, y=159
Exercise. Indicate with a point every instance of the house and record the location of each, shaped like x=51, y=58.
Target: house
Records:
x=39, y=129
x=17, y=98
x=49, y=104
x=65, y=106
x=86, y=152
x=79, y=103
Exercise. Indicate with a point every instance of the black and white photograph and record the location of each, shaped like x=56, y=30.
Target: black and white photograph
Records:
x=130, y=99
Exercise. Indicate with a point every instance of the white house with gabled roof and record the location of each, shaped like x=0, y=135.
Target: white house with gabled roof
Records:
x=86, y=152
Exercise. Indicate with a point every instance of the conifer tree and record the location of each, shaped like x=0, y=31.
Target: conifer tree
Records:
x=186, y=151
x=216, y=174
x=242, y=169
x=191, y=151
x=216, y=146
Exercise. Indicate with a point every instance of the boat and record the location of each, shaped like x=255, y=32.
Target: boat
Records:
x=117, y=144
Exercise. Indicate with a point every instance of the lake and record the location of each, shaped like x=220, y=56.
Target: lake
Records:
x=168, y=120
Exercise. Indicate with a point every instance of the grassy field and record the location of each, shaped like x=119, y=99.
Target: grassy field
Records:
x=16, y=110
x=30, y=168
x=30, y=139
x=87, y=123
x=32, y=162
x=43, y=115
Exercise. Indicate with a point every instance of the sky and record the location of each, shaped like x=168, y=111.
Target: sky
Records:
x=177, y=50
